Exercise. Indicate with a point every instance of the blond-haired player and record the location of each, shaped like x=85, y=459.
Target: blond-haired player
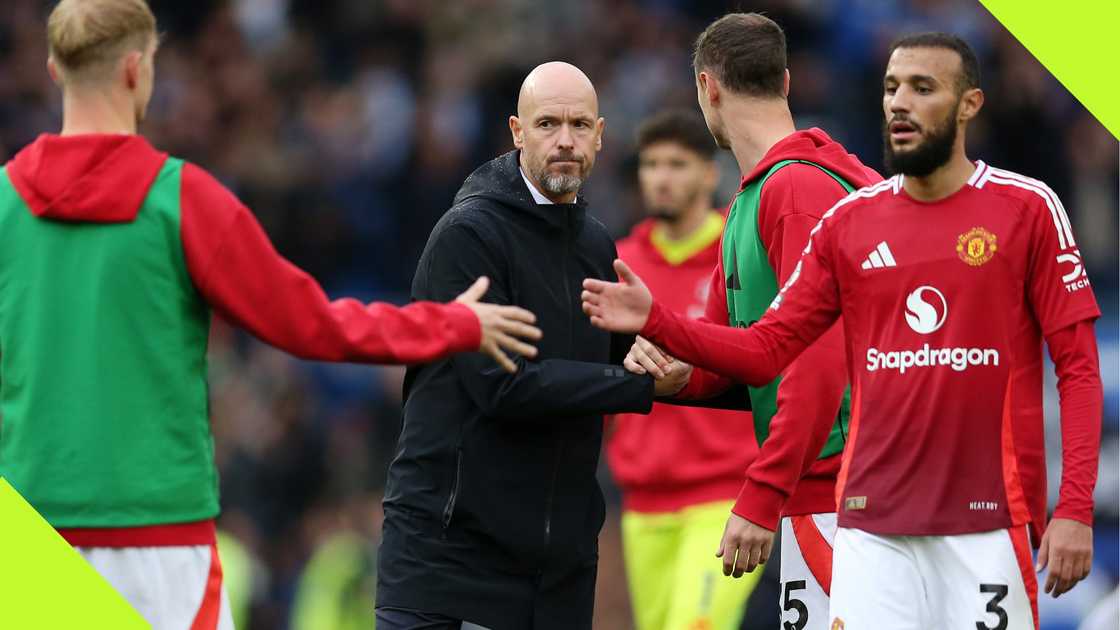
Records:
x=114, y=255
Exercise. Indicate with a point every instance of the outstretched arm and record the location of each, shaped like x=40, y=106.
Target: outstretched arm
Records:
x=806, y=307
x=239, y=273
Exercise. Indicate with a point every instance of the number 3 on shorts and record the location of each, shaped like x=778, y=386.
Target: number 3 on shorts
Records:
x=998, y=592
x=792, y=603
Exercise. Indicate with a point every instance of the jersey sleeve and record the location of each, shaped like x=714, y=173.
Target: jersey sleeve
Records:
x=1057, y=284
x=240, y=274
x=1062, y=300
x=705, y=383
x=1074, y=352
x=804, y=309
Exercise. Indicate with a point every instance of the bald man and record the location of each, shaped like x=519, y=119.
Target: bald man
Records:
x=492, y=509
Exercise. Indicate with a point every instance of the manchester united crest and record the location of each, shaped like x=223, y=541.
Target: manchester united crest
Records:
x=976, y=246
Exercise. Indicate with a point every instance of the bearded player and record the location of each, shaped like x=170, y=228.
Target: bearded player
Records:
x=949, y=275
x=114, y=256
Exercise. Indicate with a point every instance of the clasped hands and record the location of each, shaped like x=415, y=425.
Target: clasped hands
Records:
x=669, y=375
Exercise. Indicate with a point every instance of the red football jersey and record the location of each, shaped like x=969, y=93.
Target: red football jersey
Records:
x=945, y=307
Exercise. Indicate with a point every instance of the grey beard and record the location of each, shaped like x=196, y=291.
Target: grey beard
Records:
x=561, y=184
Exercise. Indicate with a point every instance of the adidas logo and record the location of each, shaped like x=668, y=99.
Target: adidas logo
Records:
x=879, y=258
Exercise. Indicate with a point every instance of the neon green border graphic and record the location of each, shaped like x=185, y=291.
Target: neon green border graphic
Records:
x=45, y=584
x=1076, y=41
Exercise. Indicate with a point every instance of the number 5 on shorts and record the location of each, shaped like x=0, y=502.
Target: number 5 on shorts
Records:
x=790, y=603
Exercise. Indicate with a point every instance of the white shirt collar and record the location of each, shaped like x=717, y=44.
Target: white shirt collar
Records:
x=537, y=196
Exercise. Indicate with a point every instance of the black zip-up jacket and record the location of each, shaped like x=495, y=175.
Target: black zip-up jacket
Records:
x=492, y=508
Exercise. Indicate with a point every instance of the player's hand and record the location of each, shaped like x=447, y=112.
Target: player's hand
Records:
x=744, y=546
x=676, y=377
x=1067, y=549
x=502, y=326
x=646, y=358
x=620, y=307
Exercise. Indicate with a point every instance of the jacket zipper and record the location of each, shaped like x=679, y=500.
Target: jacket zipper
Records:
x=560, y=444
x=564, y=270
x=548, y=502
x=449, y=509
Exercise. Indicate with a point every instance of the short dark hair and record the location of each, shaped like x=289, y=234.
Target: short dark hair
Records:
x=683, y=127
x=970, y=68
x=746, y=52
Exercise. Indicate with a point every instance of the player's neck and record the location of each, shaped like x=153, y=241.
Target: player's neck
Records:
x=946, y=180
x=754, y=126
x=687, y=224
x=93, y=111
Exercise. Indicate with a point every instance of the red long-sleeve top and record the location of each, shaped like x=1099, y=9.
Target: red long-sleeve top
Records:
x=105, y=178
x=944, y=348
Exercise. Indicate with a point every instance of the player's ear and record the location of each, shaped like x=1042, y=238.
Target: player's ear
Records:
x=52, y=70
x=709, y=87
x=971, y=102
x=517, y=132
x=132, y=68
x=599, y=126
x=785, y=84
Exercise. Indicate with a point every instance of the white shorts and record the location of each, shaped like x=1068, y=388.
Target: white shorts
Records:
x=806, y=570
x=173, y=588
x=983, y=581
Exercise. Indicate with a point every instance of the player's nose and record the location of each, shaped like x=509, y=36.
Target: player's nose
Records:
x=899, y=102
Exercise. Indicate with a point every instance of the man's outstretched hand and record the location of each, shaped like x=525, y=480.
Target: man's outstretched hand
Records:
x=620, y=307
x=503, y=327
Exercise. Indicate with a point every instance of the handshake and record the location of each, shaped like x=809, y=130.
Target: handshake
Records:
x=669, y=374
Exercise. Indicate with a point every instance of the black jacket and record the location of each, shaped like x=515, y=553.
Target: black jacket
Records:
x=492, y=506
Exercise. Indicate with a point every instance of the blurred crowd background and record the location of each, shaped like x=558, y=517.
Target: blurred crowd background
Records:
x=348, y=126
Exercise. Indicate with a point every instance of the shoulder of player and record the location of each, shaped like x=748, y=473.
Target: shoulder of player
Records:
x=196, y=179
x=861, y=198
x=804, y=174
x=1005, y=183
x=796, y=191
x=1031, y=196
x=202, y=192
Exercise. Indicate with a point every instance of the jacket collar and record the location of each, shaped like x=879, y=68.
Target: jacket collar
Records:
x=500, y=180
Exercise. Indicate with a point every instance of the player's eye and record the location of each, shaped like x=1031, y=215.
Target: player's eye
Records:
x=545, y=124
x=923, y=89
x=890, y=90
